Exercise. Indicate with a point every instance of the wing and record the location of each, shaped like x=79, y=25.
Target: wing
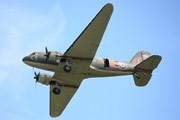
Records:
x=59, y=102
x=86, y=44
x=69, y=84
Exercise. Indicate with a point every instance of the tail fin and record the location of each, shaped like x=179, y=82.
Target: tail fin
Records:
x=144, y=70
x=140, y=57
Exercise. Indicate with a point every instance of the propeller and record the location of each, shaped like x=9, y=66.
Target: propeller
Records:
x=36, y=76
x=47, y=54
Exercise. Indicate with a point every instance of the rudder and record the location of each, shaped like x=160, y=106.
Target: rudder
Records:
x=140, y=57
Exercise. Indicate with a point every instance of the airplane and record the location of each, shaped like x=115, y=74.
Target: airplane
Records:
x=78, y=63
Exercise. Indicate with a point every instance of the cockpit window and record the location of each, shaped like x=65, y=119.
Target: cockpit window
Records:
x=32, y=53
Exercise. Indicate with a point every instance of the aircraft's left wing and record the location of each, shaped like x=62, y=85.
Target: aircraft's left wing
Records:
x=59, y=102
x=68, y=84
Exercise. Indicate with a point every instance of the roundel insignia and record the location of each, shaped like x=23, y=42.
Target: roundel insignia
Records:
x=138, y=61
x=123, y=66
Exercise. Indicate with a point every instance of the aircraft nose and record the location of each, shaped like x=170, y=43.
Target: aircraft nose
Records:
x=27, y=58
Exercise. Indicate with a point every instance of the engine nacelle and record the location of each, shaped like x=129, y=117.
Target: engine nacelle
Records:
x=54, y=57
x=44, y=79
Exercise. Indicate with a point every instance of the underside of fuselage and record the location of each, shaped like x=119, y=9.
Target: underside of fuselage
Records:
x=99, y=67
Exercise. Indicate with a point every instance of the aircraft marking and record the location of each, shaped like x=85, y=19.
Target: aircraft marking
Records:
x=138, y=61
x=123, y=66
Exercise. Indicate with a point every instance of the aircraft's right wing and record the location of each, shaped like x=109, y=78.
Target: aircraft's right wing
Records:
x=86, y=44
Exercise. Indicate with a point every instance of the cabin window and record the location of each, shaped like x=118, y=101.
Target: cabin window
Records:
x=106, y=63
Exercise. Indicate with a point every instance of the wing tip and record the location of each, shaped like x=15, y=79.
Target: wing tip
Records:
x=157, y=57
x=54, y=115
x=109, y=6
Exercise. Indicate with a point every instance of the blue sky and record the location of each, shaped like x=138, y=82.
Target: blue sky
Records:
x=28, y=26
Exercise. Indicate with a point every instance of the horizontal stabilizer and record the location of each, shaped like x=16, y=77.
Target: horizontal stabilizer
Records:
x=144, y=70
x=141, y=79
x=150, y=63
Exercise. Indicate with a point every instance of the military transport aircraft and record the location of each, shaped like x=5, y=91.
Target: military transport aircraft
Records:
x=78, y=63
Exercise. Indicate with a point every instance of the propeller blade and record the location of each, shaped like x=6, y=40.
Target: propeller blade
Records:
x=47, y=54
x=36, y=76
x=46, y=50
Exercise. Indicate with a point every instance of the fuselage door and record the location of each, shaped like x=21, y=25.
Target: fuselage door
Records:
x=106, y=63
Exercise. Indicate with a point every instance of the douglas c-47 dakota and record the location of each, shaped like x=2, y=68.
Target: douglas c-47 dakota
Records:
x=78, y=63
